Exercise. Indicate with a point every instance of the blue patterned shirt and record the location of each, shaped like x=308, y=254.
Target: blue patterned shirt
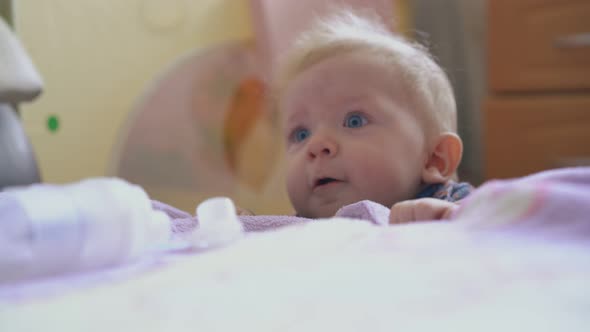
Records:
x=450, y=191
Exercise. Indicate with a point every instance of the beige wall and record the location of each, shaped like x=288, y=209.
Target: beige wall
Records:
x=97, y=57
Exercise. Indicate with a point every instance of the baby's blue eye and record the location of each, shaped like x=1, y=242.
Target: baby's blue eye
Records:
x=355, y=121
x=300, y=134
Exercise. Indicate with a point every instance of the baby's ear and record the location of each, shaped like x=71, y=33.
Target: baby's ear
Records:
x=443, y=159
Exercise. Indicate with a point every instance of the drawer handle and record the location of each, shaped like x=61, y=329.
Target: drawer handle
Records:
x=577, y=40
x=571, y=162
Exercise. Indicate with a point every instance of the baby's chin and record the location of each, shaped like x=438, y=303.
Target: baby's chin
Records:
x=318, y=214
x=329, y=210
x=325, y=211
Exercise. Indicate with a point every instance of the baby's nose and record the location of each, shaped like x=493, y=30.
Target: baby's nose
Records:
x=322, y=146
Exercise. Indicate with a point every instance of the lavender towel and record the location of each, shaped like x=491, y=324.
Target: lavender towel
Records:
x=545, y=197
x=183, y=222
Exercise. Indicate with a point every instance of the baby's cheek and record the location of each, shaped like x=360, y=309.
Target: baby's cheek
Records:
x=387, y=184
x=295, y=190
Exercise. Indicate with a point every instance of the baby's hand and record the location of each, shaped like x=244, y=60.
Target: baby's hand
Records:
x=421, y=209
x=243, y=212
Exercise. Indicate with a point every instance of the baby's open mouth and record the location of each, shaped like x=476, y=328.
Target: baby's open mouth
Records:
x=324, y=181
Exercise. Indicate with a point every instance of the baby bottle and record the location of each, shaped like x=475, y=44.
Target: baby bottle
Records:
x=50, y=229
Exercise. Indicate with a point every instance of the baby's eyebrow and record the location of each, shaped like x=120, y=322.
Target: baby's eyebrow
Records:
x=346, y=103
x=296, y=116
x=348, y=97
x=355, y=98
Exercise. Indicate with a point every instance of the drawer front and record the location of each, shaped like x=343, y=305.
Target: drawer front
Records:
x=526, y=135
x=539, y=45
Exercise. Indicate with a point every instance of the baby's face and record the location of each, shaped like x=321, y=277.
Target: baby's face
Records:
x=351, y=135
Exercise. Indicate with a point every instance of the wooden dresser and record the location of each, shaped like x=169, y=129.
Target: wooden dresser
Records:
x=537, y=110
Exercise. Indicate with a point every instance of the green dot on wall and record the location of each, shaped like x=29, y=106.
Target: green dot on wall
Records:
x=53, y=123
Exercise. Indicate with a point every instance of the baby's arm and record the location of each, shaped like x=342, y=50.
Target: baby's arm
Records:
x=421, y=209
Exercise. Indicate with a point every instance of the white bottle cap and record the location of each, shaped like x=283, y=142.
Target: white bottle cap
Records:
x=218, y=223
x=214, y=211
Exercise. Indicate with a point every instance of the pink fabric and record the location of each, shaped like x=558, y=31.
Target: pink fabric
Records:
x=555, y=203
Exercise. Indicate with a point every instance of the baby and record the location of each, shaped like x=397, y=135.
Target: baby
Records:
x=367, y=115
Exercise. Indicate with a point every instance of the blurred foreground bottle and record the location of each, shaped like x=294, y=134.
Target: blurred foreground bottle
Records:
x=51, y=229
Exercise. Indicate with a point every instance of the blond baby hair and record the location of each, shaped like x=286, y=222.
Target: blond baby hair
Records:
x=348, y=32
